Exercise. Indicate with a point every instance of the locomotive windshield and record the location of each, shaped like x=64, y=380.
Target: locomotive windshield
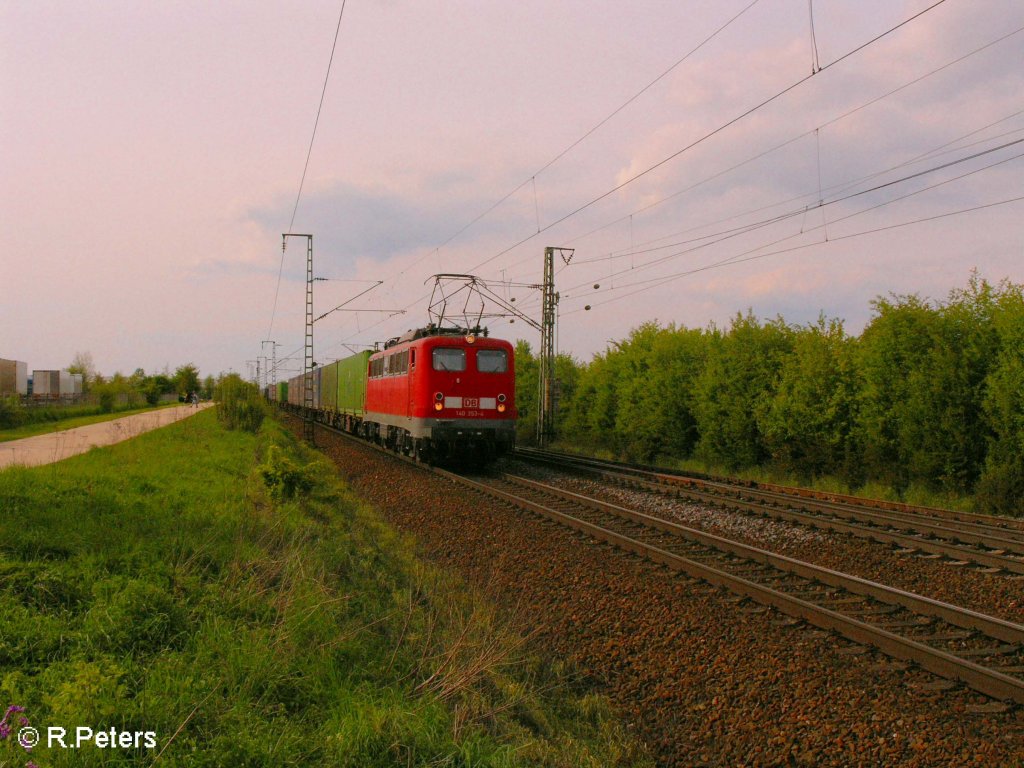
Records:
x=449, y=359
x=491, y=361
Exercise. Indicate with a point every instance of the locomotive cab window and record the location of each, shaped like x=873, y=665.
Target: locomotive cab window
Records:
x=491, y=361
x=449, y=359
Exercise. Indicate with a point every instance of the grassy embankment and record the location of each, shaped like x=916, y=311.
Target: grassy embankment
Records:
x=56, y=419
x=170, y=584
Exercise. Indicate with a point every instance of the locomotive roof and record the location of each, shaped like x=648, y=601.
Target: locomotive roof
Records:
x=434, y=330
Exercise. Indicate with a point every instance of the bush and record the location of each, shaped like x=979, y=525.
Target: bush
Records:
x=282, y=477
x=239, y=405
x=106, y=400
x=11, y=413
x=930, y=395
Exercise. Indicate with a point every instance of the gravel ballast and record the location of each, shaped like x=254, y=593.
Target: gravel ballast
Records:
x=703, y=678
x=996, y=594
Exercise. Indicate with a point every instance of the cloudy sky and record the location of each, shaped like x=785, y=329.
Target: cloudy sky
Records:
x=151, y=154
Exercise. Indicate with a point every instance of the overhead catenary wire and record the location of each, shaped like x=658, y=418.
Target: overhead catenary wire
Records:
x=305, y=166
x=821, y=204
x=820, y=226
x=533, y=177
x=708, y=135
x=745, y=255
x=690, y=146
x=649, y=246
x=832, y=121
x=815, y=63
x=717, y=130
x=654, y=282
x=564, y=152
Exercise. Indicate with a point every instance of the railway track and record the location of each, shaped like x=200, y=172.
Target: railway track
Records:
x=990, y=543
x=982, y=652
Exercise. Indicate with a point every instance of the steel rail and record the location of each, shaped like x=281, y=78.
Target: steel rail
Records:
x=991, y=536
x=961, y=617
x=972, y=518
x=991, y=682
x=966, y=532
x=989, y=559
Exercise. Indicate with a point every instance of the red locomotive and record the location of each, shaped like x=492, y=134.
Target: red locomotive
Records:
x=442, y=393
x=435, y=393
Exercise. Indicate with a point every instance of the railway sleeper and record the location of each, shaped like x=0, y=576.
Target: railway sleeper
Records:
x=942, y=637
x=875, y=610
x=906, y=623
x=997, y=650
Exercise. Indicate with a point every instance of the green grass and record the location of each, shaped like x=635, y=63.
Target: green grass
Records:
x=77, y=417
x=225, y=591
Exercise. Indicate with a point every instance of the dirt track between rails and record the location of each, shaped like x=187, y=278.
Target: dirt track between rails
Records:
x=703, y=680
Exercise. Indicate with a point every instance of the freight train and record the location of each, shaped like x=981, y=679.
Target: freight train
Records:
x=436, y=394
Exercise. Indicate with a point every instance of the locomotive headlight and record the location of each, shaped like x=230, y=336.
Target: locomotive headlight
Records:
x=438, y=406
x=470, y=339
x=501, y=407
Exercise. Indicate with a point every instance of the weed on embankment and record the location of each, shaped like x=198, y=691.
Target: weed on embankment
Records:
x=223, y=591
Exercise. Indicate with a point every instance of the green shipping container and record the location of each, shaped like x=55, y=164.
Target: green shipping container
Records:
x=352, y=383
x=329, y=387
x=282, y=391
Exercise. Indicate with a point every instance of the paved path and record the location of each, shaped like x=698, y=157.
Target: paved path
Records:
x=54, y=446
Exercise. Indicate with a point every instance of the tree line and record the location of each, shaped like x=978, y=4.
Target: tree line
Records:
x=108, y=394
x=140, y=386
x=930, y=394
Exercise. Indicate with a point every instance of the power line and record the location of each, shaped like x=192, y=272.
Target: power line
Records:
x=533, y=177
x=735, y=231
x=786, y=143
x=802, y=232
x=560, y=155
x=936, y=151
x=305, y=166
x=744, y=256
x=709, y=135
x=690, y=146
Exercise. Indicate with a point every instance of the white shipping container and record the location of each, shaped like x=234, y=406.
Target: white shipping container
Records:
x=66, y=387
x=76, y=383
x=46, y=383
